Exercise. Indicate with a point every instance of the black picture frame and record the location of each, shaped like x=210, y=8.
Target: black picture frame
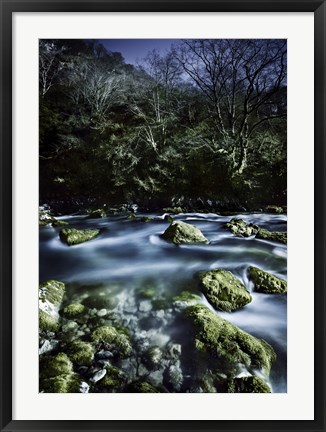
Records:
x=9, y=7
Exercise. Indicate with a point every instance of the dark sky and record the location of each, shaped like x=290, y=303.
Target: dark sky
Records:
x=134, y=50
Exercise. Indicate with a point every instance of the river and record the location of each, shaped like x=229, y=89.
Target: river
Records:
x=130, y=255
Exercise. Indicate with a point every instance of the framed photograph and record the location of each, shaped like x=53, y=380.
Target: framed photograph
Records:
x=162, y=215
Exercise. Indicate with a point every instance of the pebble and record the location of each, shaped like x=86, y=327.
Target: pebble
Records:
x=84, y=387
x=104, y=355
x=102, y=312
x=98, y=376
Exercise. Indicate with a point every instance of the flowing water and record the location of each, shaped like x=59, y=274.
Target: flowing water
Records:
x=129, y=256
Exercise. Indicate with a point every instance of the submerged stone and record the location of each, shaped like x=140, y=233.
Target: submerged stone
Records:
x=72, y=236
x=266, y=282
x=220, y=340
x=250, y=384
x=223, y=290
x=180, y=232
x=113, y=340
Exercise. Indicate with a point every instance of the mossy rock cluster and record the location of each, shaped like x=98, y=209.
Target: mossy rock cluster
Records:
x=240, y=228
x=266, y=282
x=225, y=343
x=182, y=233
x=72, y=236
x=250, y=384
x=97, y=214
x=57, y=375
x=223, y=290
x=113, y=339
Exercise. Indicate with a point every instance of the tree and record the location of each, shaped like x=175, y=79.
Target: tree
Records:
x=241, y=80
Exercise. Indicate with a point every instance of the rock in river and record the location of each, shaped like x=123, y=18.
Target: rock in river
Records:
x=74, y=236
x=223, y=290
x=222, y=341
x=266, y=282
x=180, y=232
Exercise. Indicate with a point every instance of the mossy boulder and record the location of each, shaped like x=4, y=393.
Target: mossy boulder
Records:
x=225, y=343
x=240, y=228
x=72, y=236
x=141, y=387
x=274, y=209
x=47, y=323
x=74, y=310
x=264, y=234
x=114, y=380
x=61, y=384
x=266, y=282
x=81, y=353
x=52, y=366
x=59, y=223
x=223, y=290
x=180, y=232
x=113, y=339
x=97, y=214
x=45, y=218
x=250, y=384
x=173, y=210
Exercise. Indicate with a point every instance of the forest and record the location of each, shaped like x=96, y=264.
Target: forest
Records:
x=203, y=124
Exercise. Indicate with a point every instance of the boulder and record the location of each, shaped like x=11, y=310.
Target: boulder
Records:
x=180, y=232
x=81, y=352
x=113, y=340
x=72, y=236
x=96, y=214
x=226, y=344
x=240, y=228
x=74, y=310
x=250, y=384
x=223, y=290
x=266, y=282
x=264, y=234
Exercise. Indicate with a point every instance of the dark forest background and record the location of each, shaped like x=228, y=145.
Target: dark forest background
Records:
x=205, y=120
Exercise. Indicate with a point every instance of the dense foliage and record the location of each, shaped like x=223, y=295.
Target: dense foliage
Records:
x=207, y=119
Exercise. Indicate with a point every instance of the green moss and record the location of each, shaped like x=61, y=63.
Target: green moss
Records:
x=274, y=209
x=113, y=338
x=52, y=291
x=48, y=323
x=72, y=236
x=264, y=234
x=142, y=387
x=185, y=299
x=223, y=290
x=74, y=310
x=59, y=223
x=266, y=282
x=56, y=365
x=114, y=379
x=180, y=232
x=218, y=338
x=96, y=214
x=145, y=293
x=81, y=353
x=64, y=383
x=251, y=384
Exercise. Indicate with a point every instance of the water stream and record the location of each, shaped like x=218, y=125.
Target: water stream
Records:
x=130, y=255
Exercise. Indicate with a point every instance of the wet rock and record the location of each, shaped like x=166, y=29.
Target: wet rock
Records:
x=113, y=339
x=74, y=310
x=81, y=352
x=104, y=355
x=240, y=228
x=173, y=377
x=96, y=214
x=223, y=290
x=83, y=387
x=70, y=327
x=250, y=384
x=266, y=282
x=274, y=209
x=264, y=234
x=51, y=294
x=220, y=340
x=180, y=232
x=102, y=313
x=114, y=380
x=98, y=376
x=59, y=223
x=173, y=351
x=173, y=210
x=72, y=236
x=153, y=357
x=47, y=323
x=57, y=376
x=48, y=346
